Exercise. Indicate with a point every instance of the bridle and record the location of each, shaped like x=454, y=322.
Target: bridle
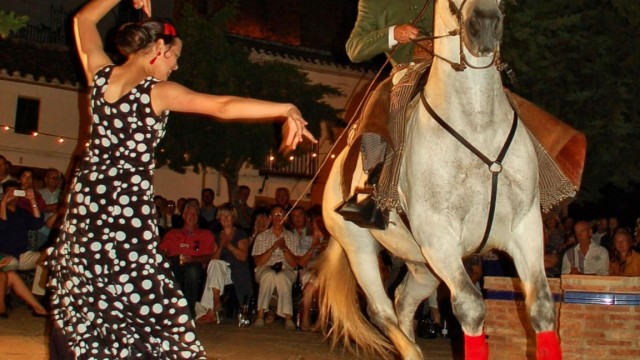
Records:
x=463, y=63
x=494, y=166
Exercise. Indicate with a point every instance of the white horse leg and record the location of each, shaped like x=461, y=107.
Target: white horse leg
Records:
x=466, y=300
x=418, y=284
x=527, y=252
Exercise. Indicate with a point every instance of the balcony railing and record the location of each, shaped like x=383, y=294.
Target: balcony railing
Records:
x=299, y=165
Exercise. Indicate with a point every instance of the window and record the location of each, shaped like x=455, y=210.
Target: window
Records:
x=27, y=116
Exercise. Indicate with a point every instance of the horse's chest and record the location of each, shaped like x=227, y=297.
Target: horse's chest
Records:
x=462, y=183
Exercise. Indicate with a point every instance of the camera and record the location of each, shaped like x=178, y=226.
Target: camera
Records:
x=19, y=193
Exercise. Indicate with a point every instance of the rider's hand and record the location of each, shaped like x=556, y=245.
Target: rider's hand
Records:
x=405, y=33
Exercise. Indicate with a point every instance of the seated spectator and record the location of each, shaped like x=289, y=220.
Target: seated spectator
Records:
x=311, y=246
x=10, y=280
x=229, y=265
x=5, y=172
x=299, y=223
x=555, y=236
x=208, y=210
x=261, y=222
x=15, y=224
x=586, y=257
x=51, y=193
x=551, y=255
x=176, y=219
x=275, y=263
x=601, y=230
x=243, y=209
x=25, y=178
x=189, y=249
x=624, y=260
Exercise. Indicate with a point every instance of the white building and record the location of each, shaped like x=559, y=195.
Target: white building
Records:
x=41, y=78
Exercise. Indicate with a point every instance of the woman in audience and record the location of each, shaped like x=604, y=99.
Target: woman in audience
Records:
x=25, y=177
x=229, y=265
x=261, y=222
x=10, y=280
x=311, y=246
x=624, y=260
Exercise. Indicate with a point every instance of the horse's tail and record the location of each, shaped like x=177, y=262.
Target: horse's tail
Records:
x=340, y=317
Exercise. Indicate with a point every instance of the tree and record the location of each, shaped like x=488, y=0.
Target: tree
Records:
x=211, y=63
x=580, y=60
x=10, y=22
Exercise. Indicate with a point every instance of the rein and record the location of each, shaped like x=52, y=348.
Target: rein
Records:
x=495, y=167
x=356, y=112
x=463, y=63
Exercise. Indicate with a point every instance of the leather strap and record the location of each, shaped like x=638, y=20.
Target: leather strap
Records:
x=495, y=167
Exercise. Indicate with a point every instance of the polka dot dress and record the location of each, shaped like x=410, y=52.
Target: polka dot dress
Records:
x=114, y=296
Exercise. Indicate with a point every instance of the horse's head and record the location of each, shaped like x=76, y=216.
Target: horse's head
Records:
x=480, y=23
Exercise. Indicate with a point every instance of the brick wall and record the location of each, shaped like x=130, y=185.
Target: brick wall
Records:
x=510, y=335
x=598, y=317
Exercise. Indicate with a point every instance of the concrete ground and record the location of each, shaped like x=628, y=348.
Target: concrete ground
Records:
x=24, y=337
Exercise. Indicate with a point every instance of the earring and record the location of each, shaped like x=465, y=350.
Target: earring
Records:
x=152, y=61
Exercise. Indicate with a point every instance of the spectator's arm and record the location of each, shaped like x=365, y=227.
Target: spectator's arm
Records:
x=241, y=251
x=261, y=259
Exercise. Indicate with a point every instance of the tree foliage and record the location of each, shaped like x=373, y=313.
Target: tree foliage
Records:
x=10, y=22
x=210, y=63
x=580, y=60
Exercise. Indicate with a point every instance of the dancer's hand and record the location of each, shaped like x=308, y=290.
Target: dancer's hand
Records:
x=294, y=131
x=144, y=5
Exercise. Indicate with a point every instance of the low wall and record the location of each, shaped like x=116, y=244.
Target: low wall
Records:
x=596, y=317
x=510, y=335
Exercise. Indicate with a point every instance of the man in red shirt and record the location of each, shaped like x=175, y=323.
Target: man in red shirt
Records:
x=189, y=250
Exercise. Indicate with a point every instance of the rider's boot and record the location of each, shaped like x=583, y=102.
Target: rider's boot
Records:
x=365, y=212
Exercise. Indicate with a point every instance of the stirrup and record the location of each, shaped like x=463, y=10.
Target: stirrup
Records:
x=364, y=213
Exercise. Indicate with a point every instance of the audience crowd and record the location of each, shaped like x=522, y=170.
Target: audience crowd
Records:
x=234, y=257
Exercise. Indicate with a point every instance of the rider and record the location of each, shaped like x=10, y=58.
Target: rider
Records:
x=390, y=27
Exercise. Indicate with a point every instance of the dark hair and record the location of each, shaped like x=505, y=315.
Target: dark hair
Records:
x=134, y=37
x=10, y=184
x=24, y=170
x=209, y=190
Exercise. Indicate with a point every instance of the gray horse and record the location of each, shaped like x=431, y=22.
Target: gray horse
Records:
x=446, y=192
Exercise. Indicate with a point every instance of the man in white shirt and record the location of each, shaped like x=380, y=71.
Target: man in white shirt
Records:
x=587, y=257
x=274, y=252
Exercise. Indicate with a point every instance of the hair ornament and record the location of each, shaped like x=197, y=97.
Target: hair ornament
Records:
x=169, y=29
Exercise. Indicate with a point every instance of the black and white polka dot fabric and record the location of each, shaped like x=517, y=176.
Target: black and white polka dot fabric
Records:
x=114, y=296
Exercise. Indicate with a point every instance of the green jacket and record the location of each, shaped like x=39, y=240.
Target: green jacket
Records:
x=369, y=36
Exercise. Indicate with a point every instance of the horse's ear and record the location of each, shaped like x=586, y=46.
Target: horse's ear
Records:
x=502, y=6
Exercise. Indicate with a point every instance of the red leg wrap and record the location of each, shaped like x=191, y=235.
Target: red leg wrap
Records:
x=548, y=346
x=475, y=347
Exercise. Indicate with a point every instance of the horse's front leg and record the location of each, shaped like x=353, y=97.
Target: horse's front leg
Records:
x=442, y=251
x=417, y=285
x=527, y=252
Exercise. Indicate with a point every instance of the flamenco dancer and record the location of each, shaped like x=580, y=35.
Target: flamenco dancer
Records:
x=114, y=295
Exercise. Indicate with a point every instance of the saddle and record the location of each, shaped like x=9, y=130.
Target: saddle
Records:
x=561, y=149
